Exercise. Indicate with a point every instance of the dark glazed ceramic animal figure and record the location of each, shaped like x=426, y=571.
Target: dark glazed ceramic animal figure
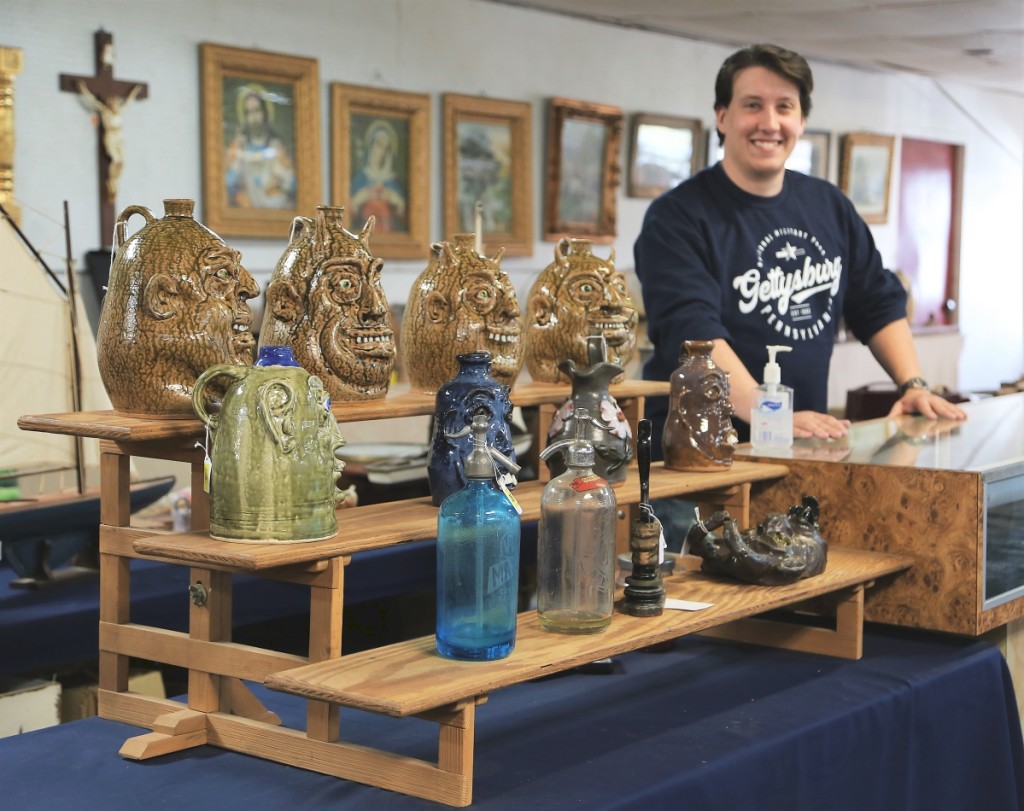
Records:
x=576, y=296
x=699, y=434
x=176, y=304
x=326, y=302
x=461, y=303
x=782, y=549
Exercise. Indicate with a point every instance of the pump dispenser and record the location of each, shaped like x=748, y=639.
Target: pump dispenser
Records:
x=576, y=542
x=478, y=533
x=771, y=417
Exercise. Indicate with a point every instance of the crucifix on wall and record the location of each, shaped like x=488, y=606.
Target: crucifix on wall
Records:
x=107, y=97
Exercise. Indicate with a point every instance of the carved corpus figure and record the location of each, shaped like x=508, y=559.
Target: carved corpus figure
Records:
x=782, y=549
x=176, y=304
x=576, y=296
x=698, y=434
x=462, y=302
x=326, y=302
x=113, y=142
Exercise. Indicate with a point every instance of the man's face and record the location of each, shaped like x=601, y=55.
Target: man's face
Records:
x=349, y=326
x=216, y=326
x=761, y=126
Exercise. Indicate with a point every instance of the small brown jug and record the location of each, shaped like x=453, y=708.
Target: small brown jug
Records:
x=698, y=434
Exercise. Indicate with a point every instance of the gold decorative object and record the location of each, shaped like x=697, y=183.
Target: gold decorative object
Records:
x=10, y=66
x=176, y=304
x=462, y=302
x=274, y=470
x=326, y=302
x=578, y=295
x=698, y=434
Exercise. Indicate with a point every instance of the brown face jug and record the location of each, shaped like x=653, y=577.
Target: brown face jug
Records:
x=176, y=304
x=274, y=468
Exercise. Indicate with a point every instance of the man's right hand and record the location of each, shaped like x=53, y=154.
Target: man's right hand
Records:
x=807, y=424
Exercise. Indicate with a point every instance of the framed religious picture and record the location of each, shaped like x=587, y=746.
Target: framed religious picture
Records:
x=487, y=161
x=381, y=166
x=865, y=173
x=582, y=170
x=811, y=153
x=261, y=140
x=663, y=152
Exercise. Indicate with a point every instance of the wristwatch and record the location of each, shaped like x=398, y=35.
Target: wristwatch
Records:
x=913, y=383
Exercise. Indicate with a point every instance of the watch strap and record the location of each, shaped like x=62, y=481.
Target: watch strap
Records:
x=913, y=383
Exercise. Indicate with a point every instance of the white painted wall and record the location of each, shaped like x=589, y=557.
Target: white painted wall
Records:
x=467, y=46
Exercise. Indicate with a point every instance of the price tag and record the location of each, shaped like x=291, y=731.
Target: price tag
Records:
x=511, y=498
x=685, y=605
x=504, y=479
x=207, y=464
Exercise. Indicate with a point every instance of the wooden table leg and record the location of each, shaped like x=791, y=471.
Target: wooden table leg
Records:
x=326, y=603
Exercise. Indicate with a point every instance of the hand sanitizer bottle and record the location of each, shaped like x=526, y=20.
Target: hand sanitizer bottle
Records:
x=478, y=559
x=576, y=543
x=771, y=418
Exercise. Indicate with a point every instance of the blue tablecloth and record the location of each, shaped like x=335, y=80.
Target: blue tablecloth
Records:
x=921, y=722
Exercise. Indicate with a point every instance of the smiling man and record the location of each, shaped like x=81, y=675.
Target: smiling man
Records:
x=747, y=254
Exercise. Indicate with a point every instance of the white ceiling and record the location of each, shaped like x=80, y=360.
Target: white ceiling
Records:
x=975, y=41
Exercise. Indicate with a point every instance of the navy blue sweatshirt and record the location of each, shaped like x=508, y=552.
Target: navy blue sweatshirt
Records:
x=716, y=262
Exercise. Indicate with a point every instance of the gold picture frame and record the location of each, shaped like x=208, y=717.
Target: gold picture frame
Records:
x=583, y=170
x=664, y=151
x=381, y=166
x=865, y=173
x=487, y=158
x=261, y=140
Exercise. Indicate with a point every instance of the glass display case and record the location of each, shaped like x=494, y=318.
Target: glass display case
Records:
x=949, y=493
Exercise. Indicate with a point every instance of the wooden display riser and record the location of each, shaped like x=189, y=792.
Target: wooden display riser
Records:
x=221, y=709
x=409, y=678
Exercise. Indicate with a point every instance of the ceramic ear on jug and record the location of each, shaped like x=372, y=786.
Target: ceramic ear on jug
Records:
x=273, y=454
x=326, y=302
x=576, y=296
x=176, y=304
x=462, y=302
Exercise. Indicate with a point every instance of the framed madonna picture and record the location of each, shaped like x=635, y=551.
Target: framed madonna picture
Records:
x=261, y=140
x=381, y=166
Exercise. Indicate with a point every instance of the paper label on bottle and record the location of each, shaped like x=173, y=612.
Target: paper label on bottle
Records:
x=583, y=483
x=512, y=499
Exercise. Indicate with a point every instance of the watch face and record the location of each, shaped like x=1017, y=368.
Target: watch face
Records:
x=913, y=383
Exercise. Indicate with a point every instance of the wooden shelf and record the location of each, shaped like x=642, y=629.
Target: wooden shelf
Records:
x=411, y=677
x=120, y=427
x=414, y=520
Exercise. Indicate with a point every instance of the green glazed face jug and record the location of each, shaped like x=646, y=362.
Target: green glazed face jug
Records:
x=272, y=450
